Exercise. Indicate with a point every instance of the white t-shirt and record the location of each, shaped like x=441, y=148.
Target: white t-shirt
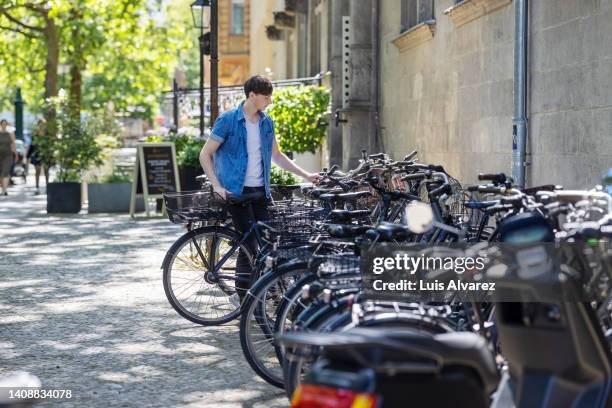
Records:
x=254, y=173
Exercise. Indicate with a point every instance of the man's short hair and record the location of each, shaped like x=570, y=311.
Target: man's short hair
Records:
x=259, y=85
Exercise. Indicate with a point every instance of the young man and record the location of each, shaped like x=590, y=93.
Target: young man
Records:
x=237, y=158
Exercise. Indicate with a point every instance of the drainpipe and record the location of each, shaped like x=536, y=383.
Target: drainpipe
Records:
x=519, y=128
x=377, y=143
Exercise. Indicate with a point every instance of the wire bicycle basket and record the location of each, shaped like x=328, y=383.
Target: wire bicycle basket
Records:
x=189, y=206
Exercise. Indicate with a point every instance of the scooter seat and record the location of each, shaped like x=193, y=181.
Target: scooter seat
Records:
x=405, y=350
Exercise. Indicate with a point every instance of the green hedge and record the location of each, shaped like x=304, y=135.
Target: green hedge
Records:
x=300, y=117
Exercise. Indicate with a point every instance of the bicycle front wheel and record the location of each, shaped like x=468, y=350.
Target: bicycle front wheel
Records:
x=191, y=288
x=257, y=321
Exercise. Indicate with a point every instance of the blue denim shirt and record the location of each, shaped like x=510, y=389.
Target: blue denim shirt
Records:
x=231, y=157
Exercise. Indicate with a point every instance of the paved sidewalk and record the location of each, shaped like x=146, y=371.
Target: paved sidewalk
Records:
x=82, y=307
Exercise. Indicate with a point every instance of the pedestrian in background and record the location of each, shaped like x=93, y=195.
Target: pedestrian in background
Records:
x=8, y=154
x=33, y=154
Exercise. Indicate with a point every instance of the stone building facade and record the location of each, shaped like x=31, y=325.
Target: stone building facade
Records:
x=448, y=91
x=438, y=77
x=303, y=38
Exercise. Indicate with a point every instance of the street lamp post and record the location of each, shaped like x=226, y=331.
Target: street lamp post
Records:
x=18, y=115
x=200, y=9
x=214, y=62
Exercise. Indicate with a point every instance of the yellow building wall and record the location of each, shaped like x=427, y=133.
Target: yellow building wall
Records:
x=234, y=59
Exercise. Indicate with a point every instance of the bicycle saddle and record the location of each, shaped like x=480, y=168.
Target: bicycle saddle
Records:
x=317, y=192
x=387, y=231
x=346, y=215
x=332, y=197
x=346, y=231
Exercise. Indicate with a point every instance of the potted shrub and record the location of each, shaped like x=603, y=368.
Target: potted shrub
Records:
x=280, y=177
x=71, y=146
x=188, y=160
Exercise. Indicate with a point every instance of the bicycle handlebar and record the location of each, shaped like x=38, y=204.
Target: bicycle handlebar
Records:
x=495, y=178
x=414, y=177
x=410, y=155
x=444, y=188
x=433, y=167
x=498, y=208
x=490, y=189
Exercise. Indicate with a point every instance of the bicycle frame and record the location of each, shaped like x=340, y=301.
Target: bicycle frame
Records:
x=214, y=271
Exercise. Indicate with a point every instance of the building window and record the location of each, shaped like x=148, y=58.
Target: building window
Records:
x=237, y=17
x=415, y=12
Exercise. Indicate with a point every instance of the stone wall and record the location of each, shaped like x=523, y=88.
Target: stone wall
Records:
x=451, y=95
x=571, y=91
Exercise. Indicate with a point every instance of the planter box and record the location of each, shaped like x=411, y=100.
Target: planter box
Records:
x=111, y=198
x=64, y=198
x=187, y=177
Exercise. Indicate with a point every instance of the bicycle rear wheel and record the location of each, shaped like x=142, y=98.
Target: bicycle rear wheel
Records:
x=192, y=290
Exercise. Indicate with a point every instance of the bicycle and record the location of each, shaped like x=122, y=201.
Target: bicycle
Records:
x=200, y=275
x=199, y=270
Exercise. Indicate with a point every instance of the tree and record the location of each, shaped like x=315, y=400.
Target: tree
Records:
x=32, y=22
x=136, y=62
x=117, y=51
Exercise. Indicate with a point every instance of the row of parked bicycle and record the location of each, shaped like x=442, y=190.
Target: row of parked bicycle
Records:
x=308, y=324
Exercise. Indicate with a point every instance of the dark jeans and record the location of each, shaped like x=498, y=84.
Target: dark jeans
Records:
x=243, y=217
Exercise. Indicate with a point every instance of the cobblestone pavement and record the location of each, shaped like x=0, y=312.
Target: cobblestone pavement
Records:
x=82, y=307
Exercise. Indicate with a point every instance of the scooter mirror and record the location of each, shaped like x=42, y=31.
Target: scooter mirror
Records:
x=418, y=217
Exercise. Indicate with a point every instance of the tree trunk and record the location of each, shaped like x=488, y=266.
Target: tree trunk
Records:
x=51, y=65
x=76, y=79
x=52, y=42
x=77, y=65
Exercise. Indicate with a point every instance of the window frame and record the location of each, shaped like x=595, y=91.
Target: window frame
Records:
x=233, y=21
x=415, y=12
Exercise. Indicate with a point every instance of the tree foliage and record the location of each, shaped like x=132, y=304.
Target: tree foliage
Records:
x=29, y=48
x=120, y=53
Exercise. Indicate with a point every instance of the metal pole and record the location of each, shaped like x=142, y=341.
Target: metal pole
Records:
x=18, y=115
x=214, y=60
x=175, y=109
x=202, y=106
x=519, y=128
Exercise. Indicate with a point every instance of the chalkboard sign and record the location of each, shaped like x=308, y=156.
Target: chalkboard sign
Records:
x=155, y=172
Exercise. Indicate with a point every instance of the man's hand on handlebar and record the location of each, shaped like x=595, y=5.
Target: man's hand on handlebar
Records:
x=221, y=191
x=314, y=178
